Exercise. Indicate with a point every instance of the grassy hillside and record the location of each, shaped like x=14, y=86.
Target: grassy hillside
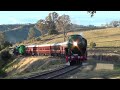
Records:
x=27, y=66
x=106, y=37
x=103, y=37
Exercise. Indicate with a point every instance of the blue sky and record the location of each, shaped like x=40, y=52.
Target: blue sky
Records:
x=77, y=17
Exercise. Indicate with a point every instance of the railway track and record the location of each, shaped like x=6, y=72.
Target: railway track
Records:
x=56, y=73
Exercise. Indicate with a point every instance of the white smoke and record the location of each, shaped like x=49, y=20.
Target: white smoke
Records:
x=81, y=34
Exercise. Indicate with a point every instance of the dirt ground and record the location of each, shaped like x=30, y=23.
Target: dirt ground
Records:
x=97, y=70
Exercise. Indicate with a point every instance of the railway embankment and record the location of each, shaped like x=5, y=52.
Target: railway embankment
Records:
x=27, y=66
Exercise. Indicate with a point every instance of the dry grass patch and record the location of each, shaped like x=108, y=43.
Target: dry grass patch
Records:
x=32, y=65
x=90, y=71
x=102, y=37
x=104, y=66
x=20, y=64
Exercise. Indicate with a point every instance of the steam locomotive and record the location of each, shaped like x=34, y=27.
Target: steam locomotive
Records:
x=75, y=50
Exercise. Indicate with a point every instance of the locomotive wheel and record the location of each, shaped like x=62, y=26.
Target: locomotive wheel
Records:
x=80, y=63
x=71, y=63
x=86, y=54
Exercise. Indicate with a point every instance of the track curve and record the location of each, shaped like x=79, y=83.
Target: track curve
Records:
x=55, y=73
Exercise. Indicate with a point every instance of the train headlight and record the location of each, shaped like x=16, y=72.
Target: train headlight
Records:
x=75, y=43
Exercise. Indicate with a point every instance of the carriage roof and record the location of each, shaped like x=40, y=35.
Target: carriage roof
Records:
x=54, y=44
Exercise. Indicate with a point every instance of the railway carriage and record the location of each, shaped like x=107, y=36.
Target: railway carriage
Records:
x=30, y=50
x=74, y=50
x=43, y=49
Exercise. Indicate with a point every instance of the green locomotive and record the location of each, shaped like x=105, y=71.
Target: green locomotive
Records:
x=19, y=50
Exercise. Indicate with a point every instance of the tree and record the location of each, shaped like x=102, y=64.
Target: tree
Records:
x=31, y=33
x=52, y=17
x=92, y=13
x=92, y=44
x=5, y=55
x=63, y=22
x=50, y=32
x=2, y=40
x=51, y=22
x=41, y=26
x=7, y=44
x=114, y=23
x=2, y=37
x=48, y=24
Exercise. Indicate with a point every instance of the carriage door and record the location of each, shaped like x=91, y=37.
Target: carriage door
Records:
x=35, y=50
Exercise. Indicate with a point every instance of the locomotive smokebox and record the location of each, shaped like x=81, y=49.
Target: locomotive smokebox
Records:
x=76, y=48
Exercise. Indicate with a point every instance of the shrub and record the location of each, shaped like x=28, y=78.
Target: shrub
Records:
x=5, y=55
x=92, y=44
x=2, y=47
x=38, y=39
x=50, y=32
x=7, y=44
x=2, y=73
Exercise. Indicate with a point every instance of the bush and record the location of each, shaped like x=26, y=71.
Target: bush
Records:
x=38, y=39
x=2, y=73
x=7, y=44
x=5, y=55
x=50, y=32
x=2, y=47
x=92, y=44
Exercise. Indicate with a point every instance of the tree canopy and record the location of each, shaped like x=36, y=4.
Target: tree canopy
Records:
x=53, y=22
x=2, y=37
x=92, y=13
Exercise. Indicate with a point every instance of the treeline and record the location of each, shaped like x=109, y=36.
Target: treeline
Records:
x=114, y=23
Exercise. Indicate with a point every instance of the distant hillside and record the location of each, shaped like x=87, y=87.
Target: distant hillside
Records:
x=75, y=27
x=17, y=32
x=10, y=27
